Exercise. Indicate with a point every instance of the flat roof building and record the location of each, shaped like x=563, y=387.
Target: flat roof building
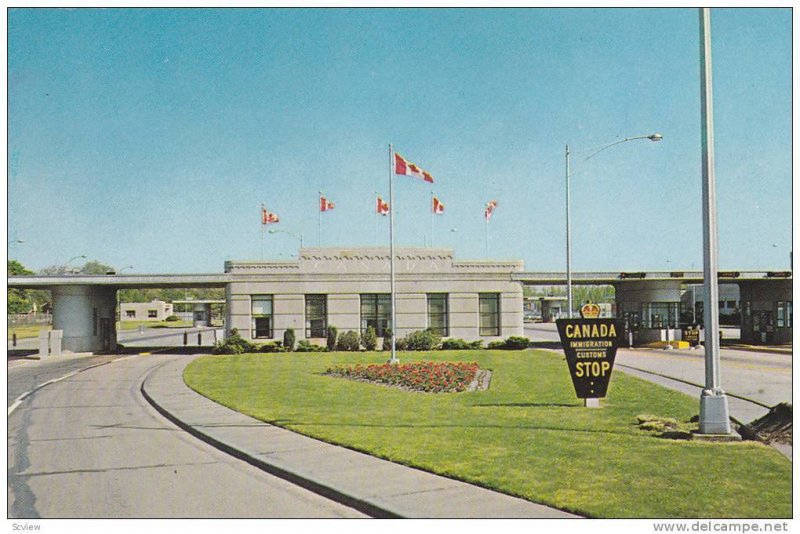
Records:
x=349, y=288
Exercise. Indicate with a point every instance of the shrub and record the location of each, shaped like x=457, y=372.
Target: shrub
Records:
x=476, y=345
x=496, y=345
x=172, y=318
x=271, y=346
x=348, y=341
x=288, y=339
x=332, y=335
x=387, y=339
x=369, y=339
x=455, y=344
x=516, y=343
x=233, y=344
x=422, y=340
x=305, y=346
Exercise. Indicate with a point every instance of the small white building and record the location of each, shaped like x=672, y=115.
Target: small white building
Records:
x=157, y=310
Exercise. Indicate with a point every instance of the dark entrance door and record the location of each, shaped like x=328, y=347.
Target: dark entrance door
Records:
x=105, y=332
x=631, y=327
x=763, y=327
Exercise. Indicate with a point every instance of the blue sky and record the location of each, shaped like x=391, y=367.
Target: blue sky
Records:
x=149, y=137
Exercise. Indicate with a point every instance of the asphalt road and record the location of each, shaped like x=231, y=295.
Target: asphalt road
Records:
x=90, y=446
x=754, y=381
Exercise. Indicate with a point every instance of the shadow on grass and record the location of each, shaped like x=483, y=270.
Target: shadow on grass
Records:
x=295, y=425
x=527, y=405
x=555, y=345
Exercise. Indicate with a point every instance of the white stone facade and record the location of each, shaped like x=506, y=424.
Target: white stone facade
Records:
x=343, y=275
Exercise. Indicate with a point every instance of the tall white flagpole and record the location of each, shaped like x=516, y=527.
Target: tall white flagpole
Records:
x=432, y=216
x=375, y=217
x=319, y=217
x=486, y=216
x=261, y=215
x=391, y=254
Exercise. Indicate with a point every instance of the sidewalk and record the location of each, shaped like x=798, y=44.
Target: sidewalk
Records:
x=377, y=487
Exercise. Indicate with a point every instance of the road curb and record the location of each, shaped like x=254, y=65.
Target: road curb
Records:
x=374, y=486
x=364, y=506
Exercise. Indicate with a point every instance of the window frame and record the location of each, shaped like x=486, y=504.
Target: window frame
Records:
x=443, y=331
x=492, y=330
x=310, y=330
x=380, y=321
x=270, y=316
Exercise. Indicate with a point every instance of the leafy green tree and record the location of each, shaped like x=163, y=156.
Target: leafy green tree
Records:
x=18, y=299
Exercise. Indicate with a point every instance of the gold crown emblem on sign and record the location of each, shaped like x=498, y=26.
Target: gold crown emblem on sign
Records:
x=590, y=310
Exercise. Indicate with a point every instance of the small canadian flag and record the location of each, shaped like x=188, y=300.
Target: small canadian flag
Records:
x=490, y=206
x=325, y=204
x=382, y=207
x=438, y=207
x=267, y=217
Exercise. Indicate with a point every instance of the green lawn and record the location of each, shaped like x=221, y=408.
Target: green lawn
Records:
x=133, y=325
x=27, y=331
x=527, y=435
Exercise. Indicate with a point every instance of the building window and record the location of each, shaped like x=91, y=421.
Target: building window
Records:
x=437, y=313
x=788, y=314
x=376, y=311
x=130, y=314
x=661, y=314
x=731, y=304
x=261, y=316
x=316, y=316
x=152, y=314
x=781, y=311
x=489, y=309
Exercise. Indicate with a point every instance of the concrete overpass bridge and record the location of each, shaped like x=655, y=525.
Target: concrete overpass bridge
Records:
x=84, y=306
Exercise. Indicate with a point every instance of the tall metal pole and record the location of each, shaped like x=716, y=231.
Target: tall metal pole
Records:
x=714, y=417
x=432, y=216
x=569, y=249
x=486, y=216
x=393, y=358
x=319, y=220
x=263, y=226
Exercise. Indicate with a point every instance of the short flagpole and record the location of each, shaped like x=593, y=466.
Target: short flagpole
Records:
x=393, y=358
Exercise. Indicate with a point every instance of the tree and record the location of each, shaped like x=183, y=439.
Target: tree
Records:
x=18, y=299
x=90, y=267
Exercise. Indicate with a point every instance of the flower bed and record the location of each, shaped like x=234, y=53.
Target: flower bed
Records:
x=432, y=377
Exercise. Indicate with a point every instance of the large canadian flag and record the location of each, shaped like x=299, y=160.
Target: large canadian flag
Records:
x=403, y=166
x=325, y=204
x=382, y=207
x=438, y=207
x=490, y=206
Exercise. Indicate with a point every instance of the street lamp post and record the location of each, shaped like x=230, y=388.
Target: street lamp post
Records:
x=651, y=137
x=714, y=416
x=296, y=236
x=74, y=258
